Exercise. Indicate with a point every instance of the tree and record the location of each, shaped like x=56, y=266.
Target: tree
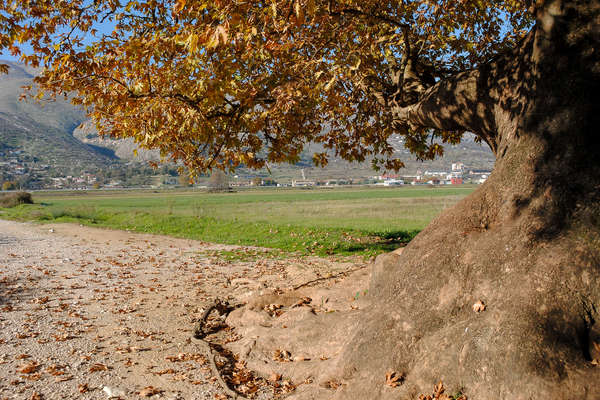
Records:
x=184, y=180
x=9, y=185
x=218, y=181
x=227, y=83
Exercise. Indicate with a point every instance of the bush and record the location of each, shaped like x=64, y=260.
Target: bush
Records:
x=14, y=199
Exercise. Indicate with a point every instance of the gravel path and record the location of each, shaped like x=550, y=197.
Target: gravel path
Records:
x=89, y=313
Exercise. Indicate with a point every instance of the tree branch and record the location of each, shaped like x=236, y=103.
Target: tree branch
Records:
x=458, y=103
x=378, y=17
x=482, y=101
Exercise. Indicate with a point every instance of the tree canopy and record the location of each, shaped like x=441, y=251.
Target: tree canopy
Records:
x=229, y=82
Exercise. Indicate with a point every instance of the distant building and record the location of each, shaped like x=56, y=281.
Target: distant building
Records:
x=303, y=183
x=170, y=180
x=480, y=172
x=435, y=173
x=393, y=182
x=458, y=167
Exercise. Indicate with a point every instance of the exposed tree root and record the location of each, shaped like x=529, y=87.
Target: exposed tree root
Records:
x=198, y=337
x=213, y=366
x=338, y=275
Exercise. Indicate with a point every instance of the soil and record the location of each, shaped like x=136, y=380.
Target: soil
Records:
x=94, y=314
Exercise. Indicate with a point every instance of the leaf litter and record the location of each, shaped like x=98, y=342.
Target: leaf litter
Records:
x=87, y=309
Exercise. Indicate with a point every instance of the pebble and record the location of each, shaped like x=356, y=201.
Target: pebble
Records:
x=113, y=391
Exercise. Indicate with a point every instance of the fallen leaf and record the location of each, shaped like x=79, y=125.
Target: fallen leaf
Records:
x=32, y=377
x=302, y=301
x=282, y=355
x=479, y=306
x=28, y=368
x=165, y=371
x=394, y=379
x=149, y=391
x=36, y=396
x=98, y=367
x=83, y=388
x=331, y=384
x=274, y=377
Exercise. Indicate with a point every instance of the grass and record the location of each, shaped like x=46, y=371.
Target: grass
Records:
x=320, y=222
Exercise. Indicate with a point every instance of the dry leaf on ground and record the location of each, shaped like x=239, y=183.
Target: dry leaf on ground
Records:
x=394, y=379
x=149, y=391
x=28, y=368
x=98, y=367
x=479, y=306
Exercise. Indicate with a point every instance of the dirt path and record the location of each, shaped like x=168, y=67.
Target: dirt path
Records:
x=90, y=313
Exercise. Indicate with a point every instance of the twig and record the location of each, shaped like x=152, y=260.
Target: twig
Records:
x=344, y=273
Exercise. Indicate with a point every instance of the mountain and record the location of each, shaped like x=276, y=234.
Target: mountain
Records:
x=44, y=130
x=122, y=148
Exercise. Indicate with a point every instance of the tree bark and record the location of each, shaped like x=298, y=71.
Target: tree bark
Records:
x=526, y=243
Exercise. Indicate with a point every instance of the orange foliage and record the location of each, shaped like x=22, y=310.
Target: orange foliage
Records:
x=223, y=83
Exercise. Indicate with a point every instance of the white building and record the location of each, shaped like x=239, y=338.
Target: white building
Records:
x=393, y=182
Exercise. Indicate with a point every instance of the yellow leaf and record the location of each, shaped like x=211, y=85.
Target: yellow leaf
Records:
x=179, y=5
x=330, y=83
x=310, y=7
x=192, y=43
x=274, y=9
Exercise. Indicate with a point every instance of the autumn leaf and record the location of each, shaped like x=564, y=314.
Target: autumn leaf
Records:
x=274, y=377
x=394, y=379
x=479, y=306
x=178, y=6
x=149, y=391
x=36, y=396
x=212, y=82
x=98, y=367
x=282, y=355
x=28, y=368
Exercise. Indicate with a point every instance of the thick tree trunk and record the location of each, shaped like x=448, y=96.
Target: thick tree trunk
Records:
x=527, y=243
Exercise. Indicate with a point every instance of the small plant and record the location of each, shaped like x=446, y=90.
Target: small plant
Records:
x=14, y=199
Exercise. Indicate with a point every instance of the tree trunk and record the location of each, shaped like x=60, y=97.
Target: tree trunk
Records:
x=526, y=243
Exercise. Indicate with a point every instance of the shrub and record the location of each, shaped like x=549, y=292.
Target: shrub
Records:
x=14, y=199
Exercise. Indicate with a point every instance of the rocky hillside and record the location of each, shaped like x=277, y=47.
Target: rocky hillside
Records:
x=122, y=148
x=44, y=130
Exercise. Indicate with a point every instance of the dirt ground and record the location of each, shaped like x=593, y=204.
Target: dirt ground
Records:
x=94, y=314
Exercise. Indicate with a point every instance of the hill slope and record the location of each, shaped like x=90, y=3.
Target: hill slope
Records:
x=44, y=131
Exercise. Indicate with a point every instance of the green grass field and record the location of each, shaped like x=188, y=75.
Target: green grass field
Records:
x=343, y=221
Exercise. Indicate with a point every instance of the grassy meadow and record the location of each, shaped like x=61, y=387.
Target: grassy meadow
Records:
x=341, y=221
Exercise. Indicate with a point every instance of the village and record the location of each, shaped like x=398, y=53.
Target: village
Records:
x=19, y=171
